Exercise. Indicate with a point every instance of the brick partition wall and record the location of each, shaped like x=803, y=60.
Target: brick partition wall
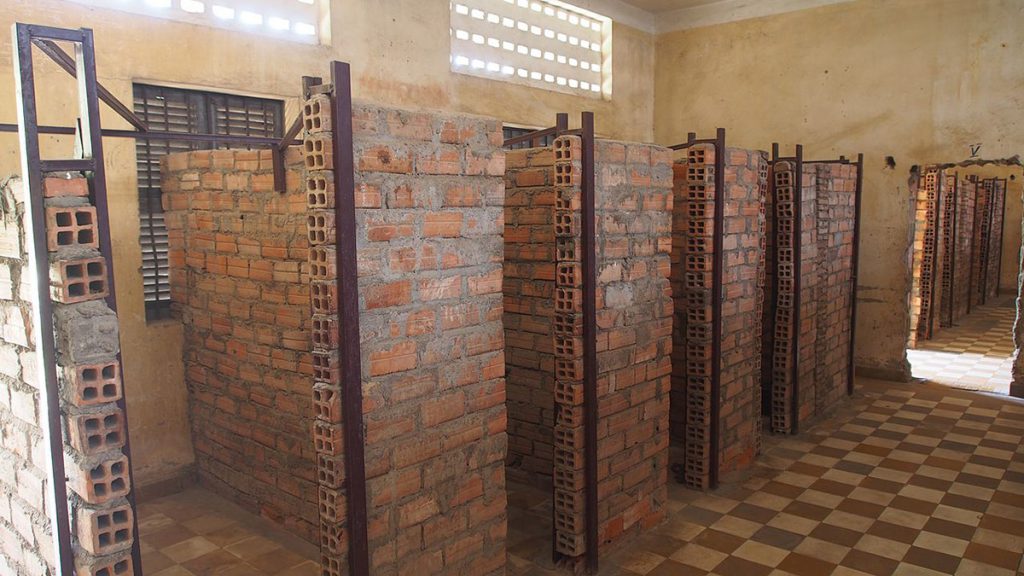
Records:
x=239, y=283
x=429, y=213
x=995, y=238
x=529, y=289
x=836, y=189
x=743, y=278
x=966, y=200
x=26, y=539
x=948, y=239
x=979, y=239
x=634, y=334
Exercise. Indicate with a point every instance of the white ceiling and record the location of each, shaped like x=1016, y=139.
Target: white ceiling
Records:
x=658, y=16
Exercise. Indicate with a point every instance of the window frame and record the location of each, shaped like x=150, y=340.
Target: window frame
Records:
x=200, y=116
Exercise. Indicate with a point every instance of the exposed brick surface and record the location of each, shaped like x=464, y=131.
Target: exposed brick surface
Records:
x=96, y=432
x=743, y=292
x=79, y=280
x=105, y=531
x=71, y=227
x=93, y=384
x=429, y=208
x=100, y=479
x=240, y=274
x=65, y=185
x=24, y=484
x=825, y=291
x=634, y=336
x=529, y=300
x=993, y=253
x=926, y=260
x=836, y=188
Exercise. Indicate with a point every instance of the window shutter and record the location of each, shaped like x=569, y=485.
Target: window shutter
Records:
x=188, y=112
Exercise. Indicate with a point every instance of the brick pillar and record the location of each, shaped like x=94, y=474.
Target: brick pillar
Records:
x=86, y=333
x=25, y=530
x=743, y=293
x=529, y=305
x=925, y=260
x=995, y=239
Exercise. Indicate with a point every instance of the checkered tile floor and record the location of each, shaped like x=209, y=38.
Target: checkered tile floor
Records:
x=905, y=479
x=975, y=355
x=195, y=533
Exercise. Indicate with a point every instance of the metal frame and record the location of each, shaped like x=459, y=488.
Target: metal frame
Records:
x=589, y=261
x=33, y=168
x=67, y=63
x=716, y=294
x=973, y=179
x=798, y=214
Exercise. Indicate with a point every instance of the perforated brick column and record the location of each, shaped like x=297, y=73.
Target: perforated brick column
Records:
x=239, y=284
x=925, y=259
x=25, y=529
x=570, y=485
x=529, y=308
x=86, y=330
x=743, y=277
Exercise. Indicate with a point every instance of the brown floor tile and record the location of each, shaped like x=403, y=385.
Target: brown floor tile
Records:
x=735, y=565
x=994, y=556
x=672, y=568
x=805, y=510
x=869, y=563
x=753, y=513
x=777, y=538
x=806, y=566
x=836, y=535
x=726, y=543
x=913, y=505
x=893, y=532
x=943, y=563
x=952, y=529
x=169, y=536
x=860, y=508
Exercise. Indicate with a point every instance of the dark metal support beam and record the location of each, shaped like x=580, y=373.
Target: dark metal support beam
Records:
x=66, y=62
x=858, y=194
x=717, y=275
x=798, y=267
x=589, y=265
x=348, y=322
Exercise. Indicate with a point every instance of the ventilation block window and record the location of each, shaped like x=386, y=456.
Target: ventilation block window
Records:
x=188, y=112
x=550, y=45
x=295, y=20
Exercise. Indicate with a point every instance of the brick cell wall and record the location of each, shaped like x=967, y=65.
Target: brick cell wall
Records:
x=995, y=240
x=429, y=213
x=948, y=239
x=966, y=201
x=634, y=336
x=239, y=283
x=743, y=290
x=837, y=184
x=26, y=545
x=742, y=308
x=529, y=290
x=979, y=239
x=810, y=276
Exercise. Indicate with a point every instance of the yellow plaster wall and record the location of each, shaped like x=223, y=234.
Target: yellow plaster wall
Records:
x=399, y=55
x=918, y=80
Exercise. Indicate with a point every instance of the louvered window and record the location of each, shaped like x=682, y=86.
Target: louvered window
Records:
x=512, y=131
x=189, y=112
